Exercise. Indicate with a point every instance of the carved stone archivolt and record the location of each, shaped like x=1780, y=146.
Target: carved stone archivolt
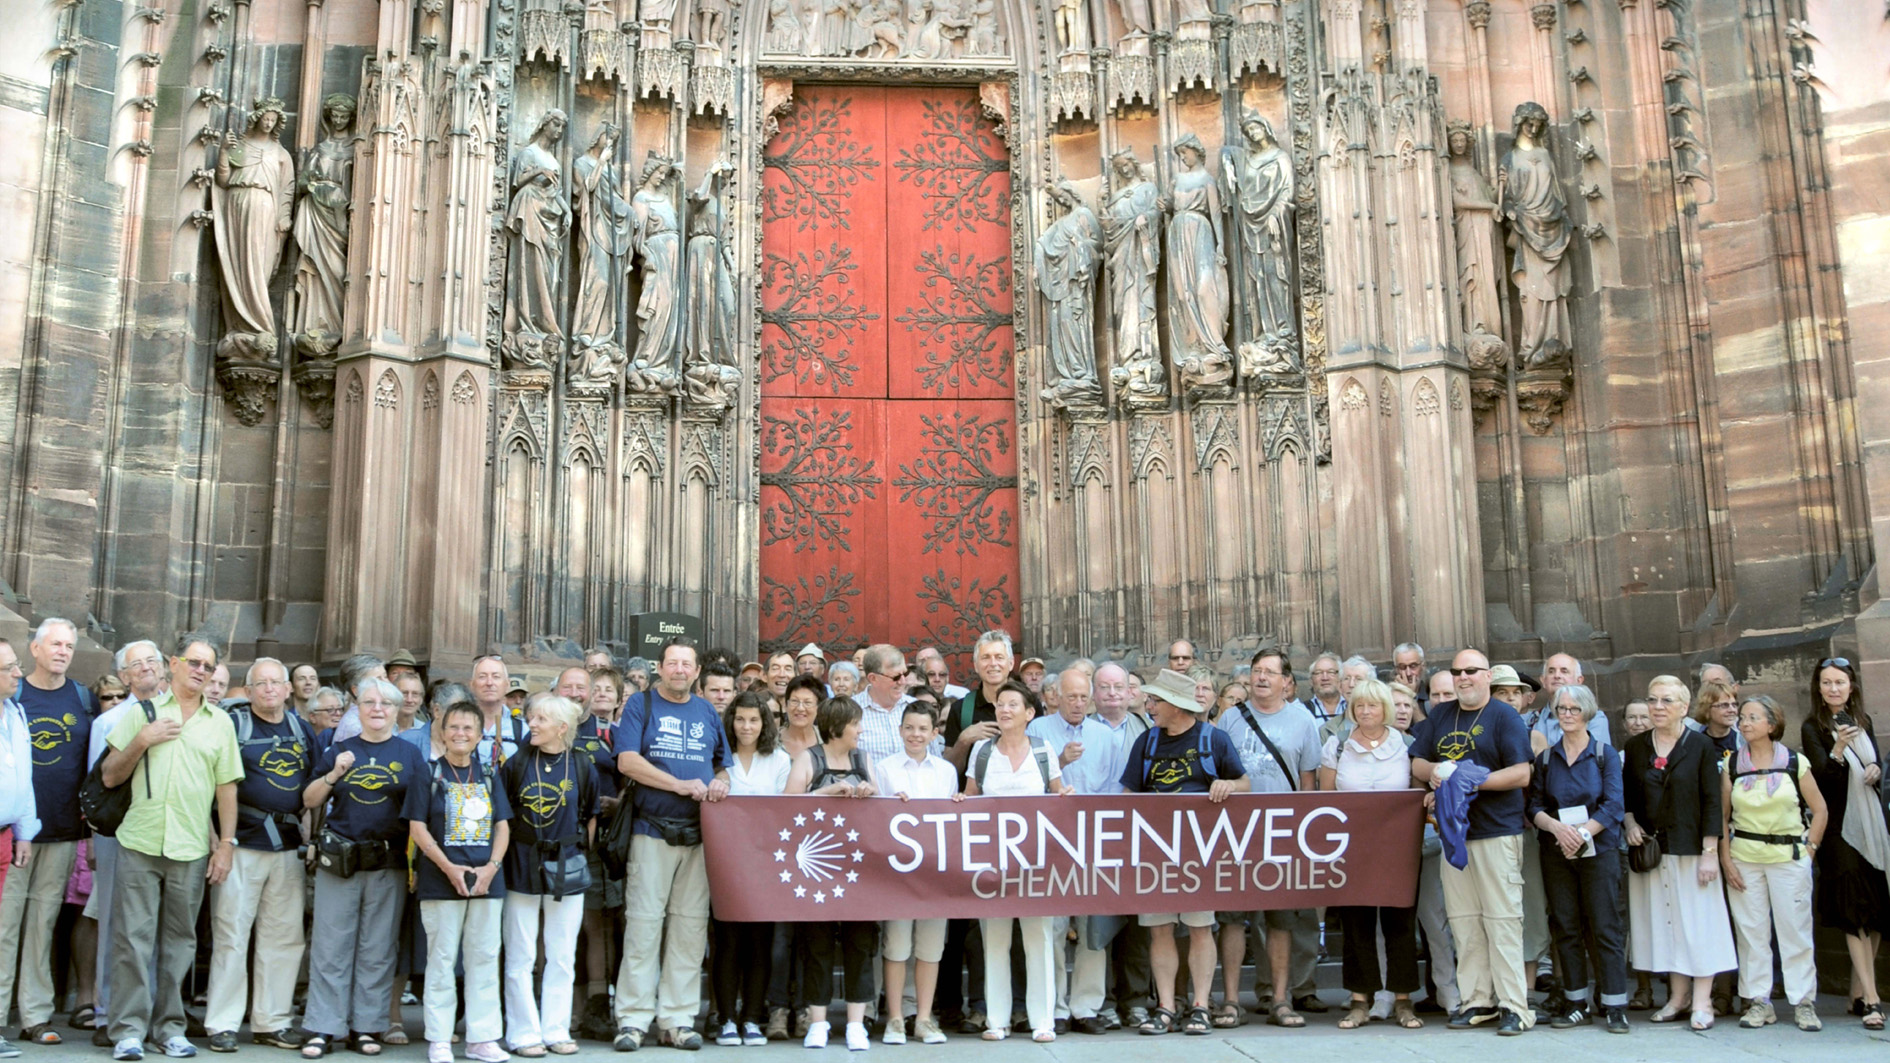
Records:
x=930, y=30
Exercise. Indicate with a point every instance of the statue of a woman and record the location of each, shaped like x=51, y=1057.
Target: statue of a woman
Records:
x=604, y=229
x=709, y=348
x=1197, y=273
x=1479, y=259
x=538, y=223
x=658, y=244
x=1529, y=197
x=321, y=230
x=1132, y=239
x=252, y=203
x=1067, y=256
x=1259, y=180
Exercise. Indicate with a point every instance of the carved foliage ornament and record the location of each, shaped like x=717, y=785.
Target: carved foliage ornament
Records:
x=819, y=164
x=951, y=482
x=820, y=479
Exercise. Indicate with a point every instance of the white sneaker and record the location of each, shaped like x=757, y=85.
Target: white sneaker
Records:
x=179, y=1048
x=1759, y=1014
x=930, y=1032
x=753, y=1036
x=895, y=1034
x=857, y=1038
x=487, y=1052
x=439, y=1052
x=816, y=1035
x=730, y=1035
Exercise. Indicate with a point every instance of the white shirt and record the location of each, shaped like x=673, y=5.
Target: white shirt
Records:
x=1025, y=780
x=766, y=777
x=879, y=728
x=102, y=729
x=1387, y=767
x=900, y=774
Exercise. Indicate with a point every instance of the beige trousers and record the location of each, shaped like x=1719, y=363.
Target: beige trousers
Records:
x=265, y=892
x=666, y=933
x=1484, y=902
x=29, y=907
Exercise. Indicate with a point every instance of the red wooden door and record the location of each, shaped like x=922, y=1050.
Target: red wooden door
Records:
x=888, y=433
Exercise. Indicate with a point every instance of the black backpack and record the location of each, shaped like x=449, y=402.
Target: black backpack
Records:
x=104, y=807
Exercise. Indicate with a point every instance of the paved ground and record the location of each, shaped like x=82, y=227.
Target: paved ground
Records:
x=1320, y=1042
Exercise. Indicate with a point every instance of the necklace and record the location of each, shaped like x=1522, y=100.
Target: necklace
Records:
x=473, y=807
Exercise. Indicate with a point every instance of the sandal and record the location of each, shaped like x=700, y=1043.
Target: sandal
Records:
x=1702, y=1020
x=1159, y=1021
x=1228, y=1016
x=1198, y=1023
x=1642, y=1000
x=316, y=1047
x=43, y=1034
x=1873, y=1016
x=1282, y=1014
x=1357, y=1014
x=564, y=1048
x=395, y=1036
x=1670, y=1013
x=366, y=1044
x=84, y=1018
x=530, y=1052
x=1405, y=1015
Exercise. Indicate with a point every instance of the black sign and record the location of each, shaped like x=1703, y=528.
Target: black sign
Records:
x=649, y=631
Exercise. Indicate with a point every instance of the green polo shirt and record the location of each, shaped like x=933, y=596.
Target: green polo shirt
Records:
x=174, y=822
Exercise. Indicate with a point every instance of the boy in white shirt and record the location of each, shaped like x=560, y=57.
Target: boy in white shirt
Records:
x=914, y=772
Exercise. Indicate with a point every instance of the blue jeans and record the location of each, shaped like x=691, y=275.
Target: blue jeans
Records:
x=1583, y=896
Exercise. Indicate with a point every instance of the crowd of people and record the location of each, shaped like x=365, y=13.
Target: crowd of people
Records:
x=344, y=851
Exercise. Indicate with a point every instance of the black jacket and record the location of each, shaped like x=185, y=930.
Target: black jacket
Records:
x=1689, y=811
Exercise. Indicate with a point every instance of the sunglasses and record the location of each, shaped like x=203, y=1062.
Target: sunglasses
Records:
x=1834, y=662
x=1464, y=672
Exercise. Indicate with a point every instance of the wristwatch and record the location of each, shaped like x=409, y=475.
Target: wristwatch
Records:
x=1587, y=838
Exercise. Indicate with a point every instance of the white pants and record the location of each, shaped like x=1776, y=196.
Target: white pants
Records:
x=912, y=939
x=1436, y=923
x=1039, y=977
x=1088, y=973
x=29, y=909
x=265, y=892
x=1777, y=898
x=465, y=930
x=531, y=1022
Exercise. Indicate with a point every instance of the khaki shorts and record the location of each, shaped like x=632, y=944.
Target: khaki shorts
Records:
x=1170, y=919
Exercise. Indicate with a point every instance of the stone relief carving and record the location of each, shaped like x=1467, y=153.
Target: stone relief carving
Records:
x=1530, y=199
x=1067, y=257
x=537, y=223
x=602, y=218
x=1259, y=187
x=658, y=242
x=709, y=368
x=1197, y=276
x=1479, y=264
x=885, y=29
x=1132, y=239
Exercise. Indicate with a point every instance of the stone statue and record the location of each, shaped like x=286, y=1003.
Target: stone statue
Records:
x=1067, y=256
x=1259, y=188
x=603, y=220
x=252, y=203
x=326, y=184
x=711, y=23
x=709, y=368
x=658, y=245
x=945, y=29
x=1473, y=207
x=1190, y=11
x=1135, y=17
x=1132, y=235
x=537, y=223
x=658, y=18
x=1072, y=25
x=839, y=28
x=784, y=28
x=882, y=24
x=984, y=37
x=1529, y=198
x=1197, y=273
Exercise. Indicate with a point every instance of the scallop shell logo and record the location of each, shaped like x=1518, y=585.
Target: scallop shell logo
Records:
x=818, y=856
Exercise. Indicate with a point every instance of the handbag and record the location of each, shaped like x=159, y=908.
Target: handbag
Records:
x=568, y=876
x=1644, y=857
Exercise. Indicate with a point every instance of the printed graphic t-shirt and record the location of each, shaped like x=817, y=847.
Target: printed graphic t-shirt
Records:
x=1494, y=737
x=276, y=762
x=366, y=804
x=552, y=797
x=1176, y=766
x=459, y=807
x=684, y=739
x=60, y=722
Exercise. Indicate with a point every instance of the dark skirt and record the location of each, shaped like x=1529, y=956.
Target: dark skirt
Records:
x=1853, y=897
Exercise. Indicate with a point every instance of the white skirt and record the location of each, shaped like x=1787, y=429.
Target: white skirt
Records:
x=1677, y=925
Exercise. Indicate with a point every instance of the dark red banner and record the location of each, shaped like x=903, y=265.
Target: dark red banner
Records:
x=805, y=859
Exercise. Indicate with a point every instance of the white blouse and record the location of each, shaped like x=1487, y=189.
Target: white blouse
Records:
x=1386, y=767
x=766, y=777
x=1025, y=780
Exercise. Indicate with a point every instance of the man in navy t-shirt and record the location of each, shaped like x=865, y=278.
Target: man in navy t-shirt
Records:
x=59, y=719
x=1484, y=900
x=671, y=743
x=1181, y=754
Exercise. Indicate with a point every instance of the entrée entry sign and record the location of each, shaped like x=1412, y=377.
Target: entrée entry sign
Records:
x=803, y=859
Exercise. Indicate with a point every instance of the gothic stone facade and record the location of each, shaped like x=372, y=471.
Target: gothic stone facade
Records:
x=337, y=325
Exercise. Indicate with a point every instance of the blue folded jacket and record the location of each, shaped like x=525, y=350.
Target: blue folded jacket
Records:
x=1453, y=810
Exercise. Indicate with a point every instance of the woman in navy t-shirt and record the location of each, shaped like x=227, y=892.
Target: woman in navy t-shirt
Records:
x=457, y=813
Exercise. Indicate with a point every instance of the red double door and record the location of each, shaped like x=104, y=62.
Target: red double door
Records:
x=888, y=423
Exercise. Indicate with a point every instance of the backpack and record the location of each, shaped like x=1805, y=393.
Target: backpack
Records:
x=104, y=807
x=613, y=842
x=245, y=724
x=1039, y=752
x=1791, y=772
x=1204, y=744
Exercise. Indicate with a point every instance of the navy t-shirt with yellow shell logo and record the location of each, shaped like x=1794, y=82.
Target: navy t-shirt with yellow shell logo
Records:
x=366, y=804
x=60, y=723
x=276, y=762
x=553, y=797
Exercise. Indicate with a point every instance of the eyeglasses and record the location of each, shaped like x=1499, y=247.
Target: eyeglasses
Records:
x=111, y=697
x=1834, y=662
x=196, y=665
x=1461, y=673
x=894, y=676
